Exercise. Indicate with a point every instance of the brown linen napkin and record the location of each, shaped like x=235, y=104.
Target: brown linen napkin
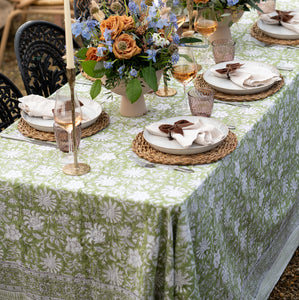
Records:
x=288, y=19
x=198, y=132
x=247, y=75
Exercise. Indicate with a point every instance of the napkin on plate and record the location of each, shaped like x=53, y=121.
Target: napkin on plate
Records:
x=248, y=75
x=288, y=19
x=40, y=107
x=198, y=132
x=37, y=106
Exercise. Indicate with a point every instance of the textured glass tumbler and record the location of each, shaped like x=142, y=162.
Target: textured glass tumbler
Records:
x=223, y=50
x=201, y=102
x=267, y=6
x=62, y=139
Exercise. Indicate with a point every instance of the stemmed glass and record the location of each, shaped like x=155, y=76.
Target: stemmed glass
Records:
x=63, y=116
x=185, y=70
x=206, y=24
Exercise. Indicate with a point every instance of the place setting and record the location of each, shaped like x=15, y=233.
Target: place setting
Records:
x=187, y=140
x=279, y=27
x=37, y=117
x=241, y=80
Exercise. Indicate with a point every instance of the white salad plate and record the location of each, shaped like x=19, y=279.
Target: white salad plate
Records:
x=90, y=109
x=165, y=145
x=277, y=31
x=225, y=85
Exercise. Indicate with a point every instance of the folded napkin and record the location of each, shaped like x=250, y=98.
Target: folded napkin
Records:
x=247, y=75
x=37, y=106
x=40, y=107
x=185, y=132
x=288, y=19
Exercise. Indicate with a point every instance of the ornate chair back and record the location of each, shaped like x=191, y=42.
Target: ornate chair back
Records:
x=9, y=94
x=39, y=48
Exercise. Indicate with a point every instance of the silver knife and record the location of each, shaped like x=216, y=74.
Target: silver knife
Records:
x=28, y=140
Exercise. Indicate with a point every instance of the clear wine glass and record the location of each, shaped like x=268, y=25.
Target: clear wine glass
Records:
x=185, y=70
x=63, y=115
x=205, y=23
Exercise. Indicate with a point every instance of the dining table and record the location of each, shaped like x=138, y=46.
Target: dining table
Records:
x=129, y=230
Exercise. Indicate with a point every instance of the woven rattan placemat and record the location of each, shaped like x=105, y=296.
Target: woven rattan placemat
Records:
x=199, y=82
x=101, y=123
x=143, y=149
x=259, y=35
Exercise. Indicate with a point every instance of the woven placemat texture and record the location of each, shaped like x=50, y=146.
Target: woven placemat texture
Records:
x=101, y=123
x=199, y=82
x=143, y=149
x=258, y=34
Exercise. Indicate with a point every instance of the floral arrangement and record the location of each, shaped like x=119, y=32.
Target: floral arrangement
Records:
x=127, y=48
x=221, y=5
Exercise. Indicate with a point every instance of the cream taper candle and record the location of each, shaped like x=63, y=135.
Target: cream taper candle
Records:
x=68, y=36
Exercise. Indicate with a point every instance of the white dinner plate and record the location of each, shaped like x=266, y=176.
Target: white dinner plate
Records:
x=90, y=108
x=277, y=31
x=227, y=86
x=165, y=145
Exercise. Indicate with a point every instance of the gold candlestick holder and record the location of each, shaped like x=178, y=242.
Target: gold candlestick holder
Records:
x=74, y=169
x=165, y=91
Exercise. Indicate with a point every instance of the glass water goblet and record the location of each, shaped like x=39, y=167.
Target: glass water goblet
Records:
x=63, y=117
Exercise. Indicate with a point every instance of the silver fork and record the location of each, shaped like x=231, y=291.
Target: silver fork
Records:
x=146, y=164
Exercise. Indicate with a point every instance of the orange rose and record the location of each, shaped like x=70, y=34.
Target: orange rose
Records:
x=125, y=47
x=113, y=23
x=128, y=22
x=91, y=54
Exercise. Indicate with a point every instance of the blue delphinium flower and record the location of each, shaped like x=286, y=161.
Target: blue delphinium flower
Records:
x=120, y=71
x=162, y=23
x=175, y=3
x=143, y=6
x=133, y=73
x=175, y=58
x=86, y=33
x=101, y=51
x=133, y=7
x=151, y=55
x=173, y=20
x=91, y=24
x=77, y=28
x=108, y=64
x=175, y=38
x=232, y=2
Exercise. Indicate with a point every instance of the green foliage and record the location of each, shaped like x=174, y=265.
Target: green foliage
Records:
x=95, y=88
x=149, y=75
x=133, y=90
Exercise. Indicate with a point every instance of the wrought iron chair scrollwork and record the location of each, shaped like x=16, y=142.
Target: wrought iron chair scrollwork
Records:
x=39, y=48
x=9, y=94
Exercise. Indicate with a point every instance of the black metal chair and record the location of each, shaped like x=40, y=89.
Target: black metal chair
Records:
x=39, y=48
x=9, y=94
x=81, y=8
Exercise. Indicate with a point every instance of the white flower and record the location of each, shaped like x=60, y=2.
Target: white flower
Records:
x=114, y=275
x=46, y=200
x=203, y=247
x=73, y=245
x=111, y=212
x=181, y=280
x=160, y=41
x=134, y=258
x=134, y=172
x=12, y=233
x=34, y=220
x=96, y=234
x=51, y=263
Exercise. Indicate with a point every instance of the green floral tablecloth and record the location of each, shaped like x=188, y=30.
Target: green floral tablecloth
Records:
x=127, y=232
